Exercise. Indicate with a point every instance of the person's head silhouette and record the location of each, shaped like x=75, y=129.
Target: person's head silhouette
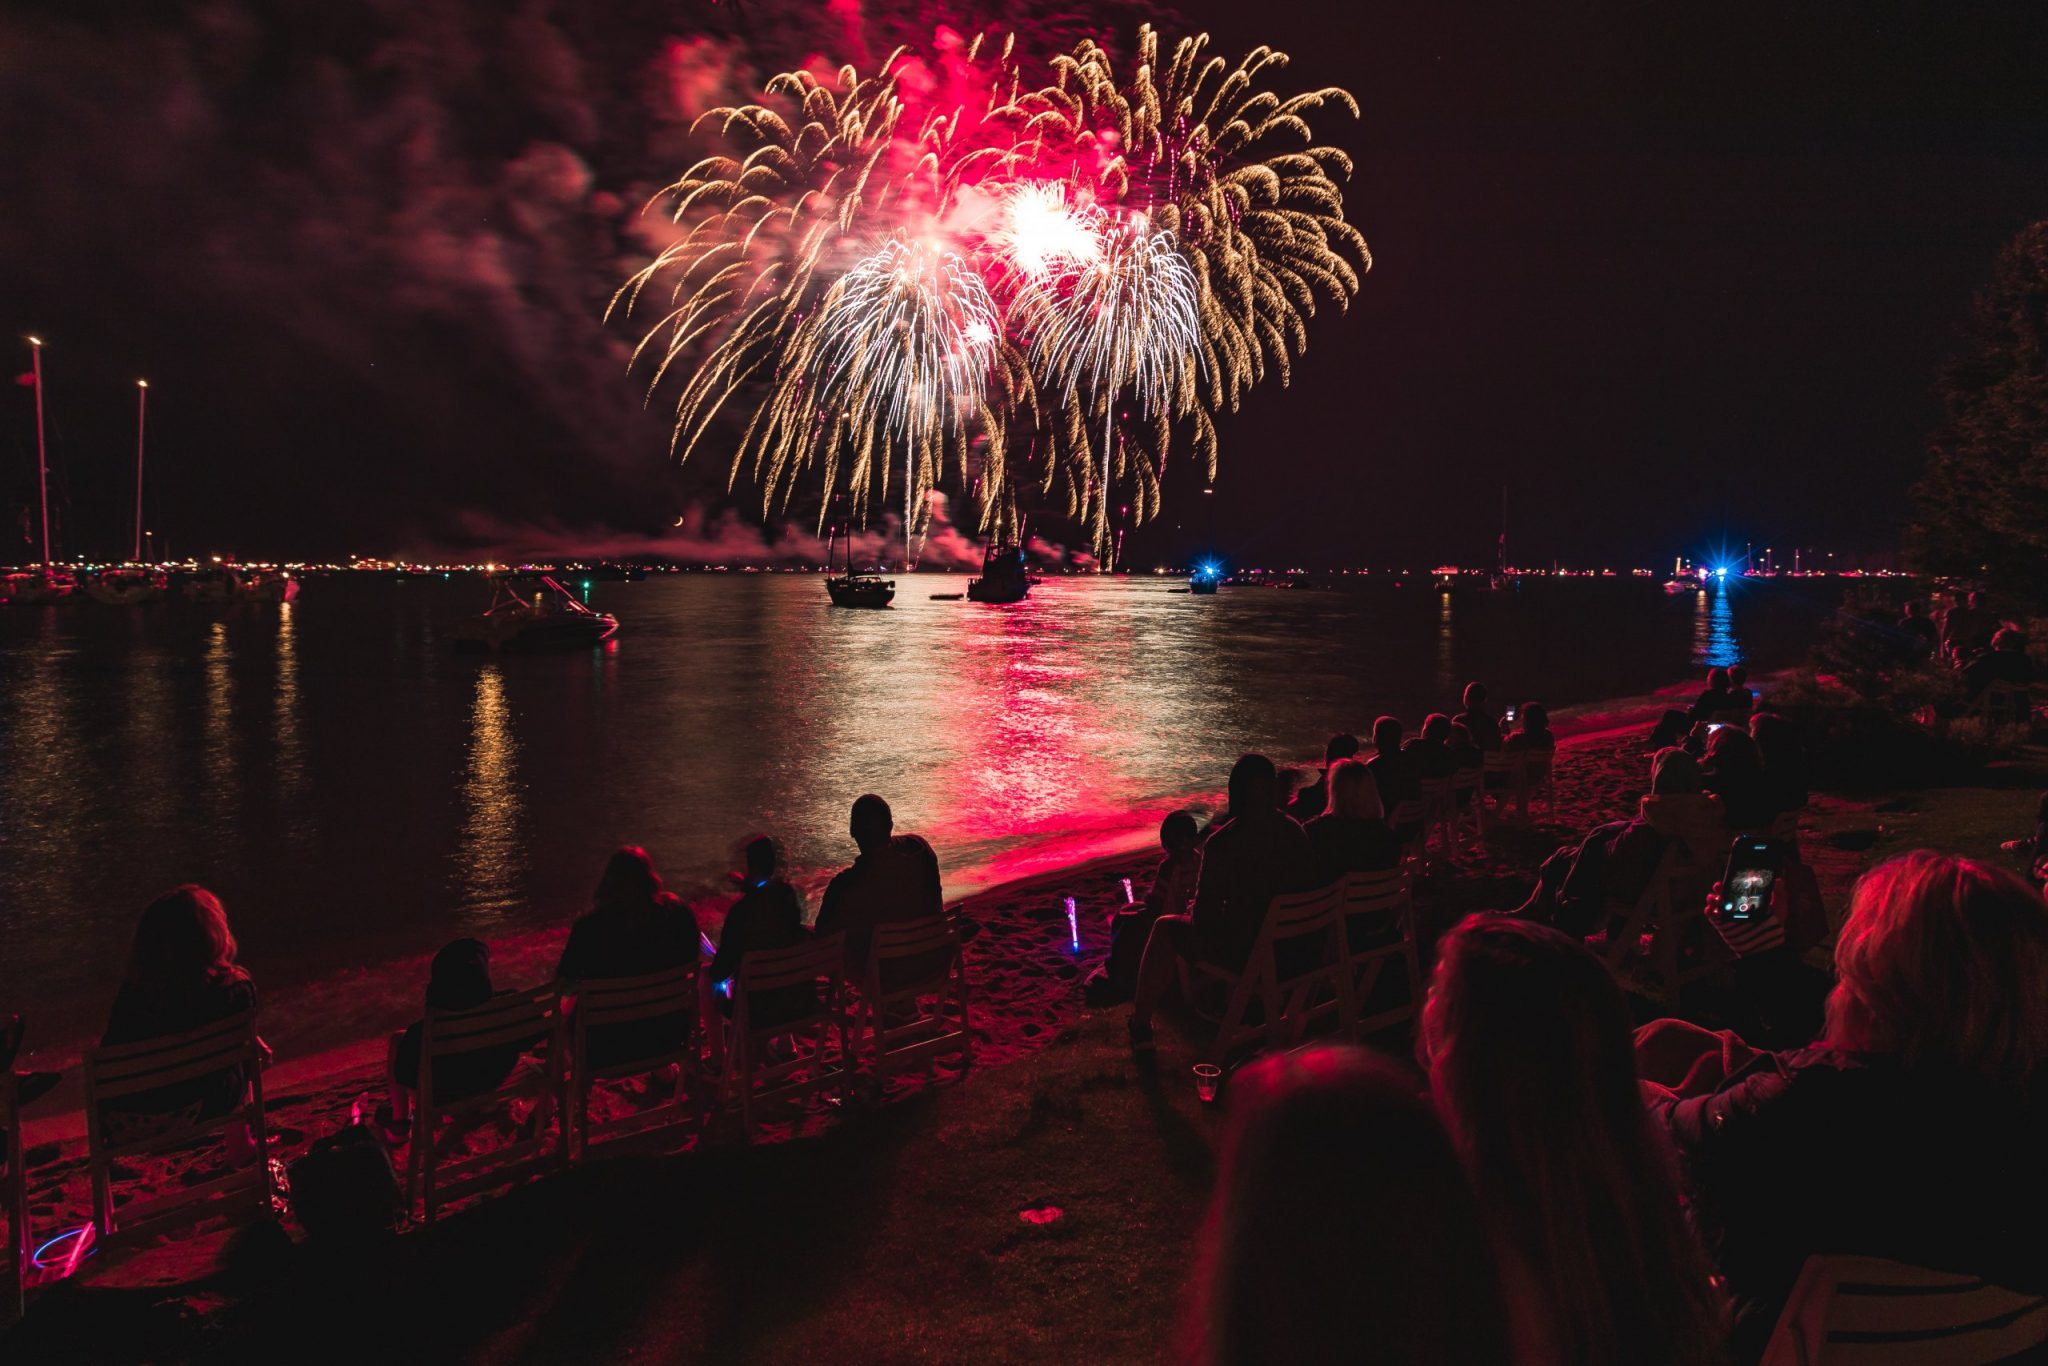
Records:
x=871, y=824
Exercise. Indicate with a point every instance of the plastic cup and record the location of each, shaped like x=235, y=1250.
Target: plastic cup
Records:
x=1208, y=1076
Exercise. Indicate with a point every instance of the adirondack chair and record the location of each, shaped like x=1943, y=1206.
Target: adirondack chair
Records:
x=531, y=1018
x=890, y=1022
x=123, y=1071
x=610, y=1002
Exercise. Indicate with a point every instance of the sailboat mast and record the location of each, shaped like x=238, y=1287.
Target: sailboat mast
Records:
x=1503, y=531
x=141, y=419
x=35, y=346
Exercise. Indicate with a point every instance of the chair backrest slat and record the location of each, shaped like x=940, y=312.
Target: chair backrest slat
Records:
x=765, y=970
x=126, y=1069
x=1296, y=913
x=908, y=938
x=513, y=1018
x=621, y=1000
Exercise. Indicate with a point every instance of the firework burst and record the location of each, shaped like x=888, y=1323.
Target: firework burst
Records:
x=1149, y=248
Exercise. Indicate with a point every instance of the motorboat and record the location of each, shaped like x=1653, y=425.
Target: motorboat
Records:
x=39, y=587
x=1206, y=579
x=215, y=583
x=1003, y=576
x=552, y=618
x=270, y=585
x=127, y=587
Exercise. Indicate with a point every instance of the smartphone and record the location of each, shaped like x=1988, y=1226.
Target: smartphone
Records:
x=1509, y=715
x=1753, y=864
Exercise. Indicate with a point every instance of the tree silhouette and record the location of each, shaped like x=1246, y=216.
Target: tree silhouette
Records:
x=1984, y=498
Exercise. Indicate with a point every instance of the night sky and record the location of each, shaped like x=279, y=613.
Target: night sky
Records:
x=1672, y=272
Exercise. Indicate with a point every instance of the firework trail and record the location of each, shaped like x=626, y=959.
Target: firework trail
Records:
x=995, y=275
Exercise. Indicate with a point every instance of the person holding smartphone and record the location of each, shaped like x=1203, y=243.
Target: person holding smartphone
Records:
x=1911, y=1129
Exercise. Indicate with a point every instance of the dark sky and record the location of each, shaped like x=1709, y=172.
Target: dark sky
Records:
x=1670, y=271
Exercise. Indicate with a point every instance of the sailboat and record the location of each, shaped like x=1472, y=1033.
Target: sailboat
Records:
x=45, y=584
x=130, y=586
x=856, y=590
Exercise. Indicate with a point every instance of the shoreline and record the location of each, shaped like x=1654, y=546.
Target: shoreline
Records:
x=339, y=1021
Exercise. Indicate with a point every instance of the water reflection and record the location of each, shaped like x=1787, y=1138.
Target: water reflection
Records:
x=1446, y=656
x=217, y=747
x=291, y=767
x=39, y=748
x=492, y=858
x=1713, y=629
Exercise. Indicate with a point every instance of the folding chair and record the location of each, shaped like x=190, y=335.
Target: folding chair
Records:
x=1377, y=930
x=19, y=1243
x=922, y=1038
x=1867, y=1311
x=122, y=1070
x=614, y=1001
x=1663, y=942
x=1500, y=764
x=1440, y=812
x=744, y=1039
x=1408, y=822
x=520, y=1019
x=1311, y=921
x=2006, y=704
x=1536, y=780
x=1468, y=799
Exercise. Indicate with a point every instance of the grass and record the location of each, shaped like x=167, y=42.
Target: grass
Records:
x=896, y=1235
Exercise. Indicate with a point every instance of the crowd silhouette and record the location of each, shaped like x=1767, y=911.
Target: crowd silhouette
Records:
x=1557, y=1174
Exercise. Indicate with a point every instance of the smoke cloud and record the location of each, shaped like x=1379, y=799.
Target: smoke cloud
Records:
x=365, y=251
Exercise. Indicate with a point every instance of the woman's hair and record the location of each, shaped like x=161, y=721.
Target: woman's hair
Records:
x=1532, y=1061
x=182, y=942
x=629, y=881
x=1731, y=750
x=1535, y=717
x=1341, y=1227
x=1354, y=791
x=460, y=977
x=1941, y=963
x=1717, y=679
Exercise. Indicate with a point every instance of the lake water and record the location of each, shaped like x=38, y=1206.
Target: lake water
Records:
x=357, y=791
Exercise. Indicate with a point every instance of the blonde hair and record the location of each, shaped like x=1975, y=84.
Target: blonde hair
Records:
x=1941, y=962
x=1354, y=791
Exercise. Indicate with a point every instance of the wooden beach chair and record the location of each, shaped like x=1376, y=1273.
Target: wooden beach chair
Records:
x=1377, y=933
x=1409, y=823
x=115, y=1072
x=891, y=1023
x=744, y=1042
x=1867, y=1311
x=614, y=1001
x=1297, y=952
x=1663, y=943
x=1440, y=813
x=1506, y=767
x=20, y=1244
x=1468, y=802
x=1536, y=779
x=2006, y=704
x=523, y=1019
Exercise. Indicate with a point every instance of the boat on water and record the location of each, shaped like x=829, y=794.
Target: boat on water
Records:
x=270, y=585
x=1003, y=576
x=127, y=587
x=1206, y=579
x=551, y=619
x=38, y=587
x=851, y=589
x=215, y=583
